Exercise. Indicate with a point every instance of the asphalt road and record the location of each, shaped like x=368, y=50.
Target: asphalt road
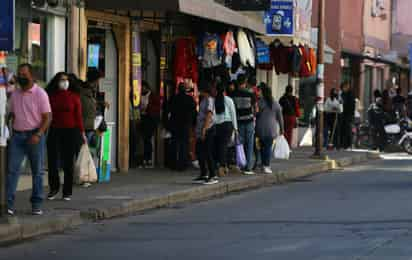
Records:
x=363, y=212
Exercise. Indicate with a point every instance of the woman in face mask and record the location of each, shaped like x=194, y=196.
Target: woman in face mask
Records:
x=64, y=133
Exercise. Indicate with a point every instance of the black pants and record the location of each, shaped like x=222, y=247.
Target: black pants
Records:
x=180, y=144
x=149, y=125
x=204, y=151
x=224, y=133
x=61, y=147
x=346, y=132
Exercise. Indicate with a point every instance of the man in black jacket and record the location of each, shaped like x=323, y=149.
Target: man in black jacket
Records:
x=181, y=120
x=348, y=101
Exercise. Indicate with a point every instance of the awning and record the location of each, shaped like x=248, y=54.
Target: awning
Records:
x=385, y=59
x=206, y=9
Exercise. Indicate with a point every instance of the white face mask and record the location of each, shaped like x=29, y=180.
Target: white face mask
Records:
x=64, y=84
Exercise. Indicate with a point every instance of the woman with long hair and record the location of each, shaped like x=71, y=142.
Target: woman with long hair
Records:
x=291, y=112
x=268, y=125
x=226, y=122
x=63, y=134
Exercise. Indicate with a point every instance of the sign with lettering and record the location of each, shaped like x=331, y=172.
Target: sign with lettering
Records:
x=6, y=25
x=279, y=20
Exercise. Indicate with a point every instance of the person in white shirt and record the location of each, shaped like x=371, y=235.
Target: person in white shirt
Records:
x=333, y=108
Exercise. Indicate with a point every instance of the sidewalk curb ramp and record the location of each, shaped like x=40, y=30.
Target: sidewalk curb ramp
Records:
x=12, y=231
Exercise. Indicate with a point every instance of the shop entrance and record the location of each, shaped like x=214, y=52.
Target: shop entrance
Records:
x=103, y=56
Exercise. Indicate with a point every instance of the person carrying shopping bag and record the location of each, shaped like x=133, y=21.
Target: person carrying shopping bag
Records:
x=63, y=136
x=268, y=125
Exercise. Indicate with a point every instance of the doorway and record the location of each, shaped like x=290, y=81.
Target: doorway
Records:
x=103, y=56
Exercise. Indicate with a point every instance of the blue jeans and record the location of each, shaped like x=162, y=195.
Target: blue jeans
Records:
x=266, y=145
x=18, y=149
x=247, y=135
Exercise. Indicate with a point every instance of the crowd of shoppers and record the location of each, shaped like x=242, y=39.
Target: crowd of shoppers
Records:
x=62, y=117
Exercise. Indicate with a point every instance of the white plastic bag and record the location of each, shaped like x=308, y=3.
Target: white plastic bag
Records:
x=282, y=150
x=84, y=168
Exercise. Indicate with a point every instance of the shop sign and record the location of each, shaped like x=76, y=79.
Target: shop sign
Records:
x=279, y=20
x=248, y=5
x=136, y=66
x=6, y=25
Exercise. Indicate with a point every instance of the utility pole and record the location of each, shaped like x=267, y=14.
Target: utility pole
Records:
x=320, y=78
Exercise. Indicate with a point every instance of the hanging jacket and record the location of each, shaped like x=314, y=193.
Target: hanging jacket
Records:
x=296, y=58
x=305, y=67
x=210, y=50
x=313, y=61
x=185, y=63
x=247, y=57
x=263, y=53
x=279, y=55
x=230, y=47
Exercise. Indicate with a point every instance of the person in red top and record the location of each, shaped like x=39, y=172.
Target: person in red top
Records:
x=65, y=131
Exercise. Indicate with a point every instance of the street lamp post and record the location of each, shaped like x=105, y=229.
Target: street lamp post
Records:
x=320, y=80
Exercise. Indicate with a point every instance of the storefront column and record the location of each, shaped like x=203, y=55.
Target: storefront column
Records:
x=73, y=40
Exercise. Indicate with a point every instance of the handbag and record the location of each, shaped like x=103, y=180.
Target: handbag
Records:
x=103, y=126
x=240, y=154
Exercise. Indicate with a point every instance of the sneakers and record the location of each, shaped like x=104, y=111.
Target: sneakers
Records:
x=67, y=198
x=200, y=179
x=248, y=172
x=37, y=212
x=52, y=195
x=148, y=164
x=267, y=170
x=211, y=181
x=10, y=212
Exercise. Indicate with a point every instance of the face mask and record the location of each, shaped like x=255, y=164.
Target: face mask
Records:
x=23, y=82
x=64, y=84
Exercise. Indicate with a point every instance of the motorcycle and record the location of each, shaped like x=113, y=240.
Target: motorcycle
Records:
x=400, y=134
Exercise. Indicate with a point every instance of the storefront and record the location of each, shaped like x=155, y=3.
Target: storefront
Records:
x=138, y=40
x=39, y=39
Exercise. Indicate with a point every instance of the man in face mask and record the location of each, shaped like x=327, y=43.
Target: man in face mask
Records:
x=30, y=113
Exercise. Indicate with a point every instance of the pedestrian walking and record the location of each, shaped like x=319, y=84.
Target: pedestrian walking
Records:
x=348, y=114
x=205, y=135
x=181, y=120
x=30, y=114
x=88, y=101
x=291, y=112
x=63, y=137
x=399, y=103
x=376, y=117
x=269, y=124
x=246, y=107
x=332, y=112
x=150, y=112
x=226, y=123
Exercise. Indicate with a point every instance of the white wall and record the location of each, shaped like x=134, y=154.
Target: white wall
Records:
x=56, y=45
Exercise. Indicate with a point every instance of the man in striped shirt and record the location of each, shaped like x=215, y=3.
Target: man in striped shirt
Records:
x=245, y=102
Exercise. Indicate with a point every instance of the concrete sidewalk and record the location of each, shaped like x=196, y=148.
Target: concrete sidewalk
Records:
x=142, y=189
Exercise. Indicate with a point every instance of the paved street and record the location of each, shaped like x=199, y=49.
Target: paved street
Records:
x=364, y=212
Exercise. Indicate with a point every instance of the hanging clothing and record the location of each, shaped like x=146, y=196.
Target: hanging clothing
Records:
x=279, y=55
x=185, y=64
x=313, y=61
x=210, y=50
x=263, y=53
x=305, y=67
x=296, y=58
x=230, y=47
x=247, y=56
